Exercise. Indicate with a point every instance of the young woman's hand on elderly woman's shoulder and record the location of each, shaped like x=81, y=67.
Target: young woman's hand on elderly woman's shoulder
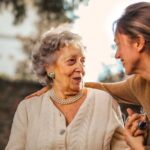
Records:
x=39, y=92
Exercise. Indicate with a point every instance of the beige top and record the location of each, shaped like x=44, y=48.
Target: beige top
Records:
x=39, y=125
x=133, y=90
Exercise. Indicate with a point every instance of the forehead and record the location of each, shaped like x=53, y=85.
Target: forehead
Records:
x=120, y=37
x=72, y=50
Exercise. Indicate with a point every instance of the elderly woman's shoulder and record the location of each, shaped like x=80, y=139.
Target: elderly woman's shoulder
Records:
x=104, y=99
x=34, y=101
x=32, y=106
x=99, y=92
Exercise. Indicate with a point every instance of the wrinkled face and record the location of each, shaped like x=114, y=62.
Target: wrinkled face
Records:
x=69, y=68
x=127, y=52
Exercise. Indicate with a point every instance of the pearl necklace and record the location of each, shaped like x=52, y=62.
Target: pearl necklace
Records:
x=66, y=101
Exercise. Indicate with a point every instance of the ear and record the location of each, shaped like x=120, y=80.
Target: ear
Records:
x=140, y=43
x=48, y=68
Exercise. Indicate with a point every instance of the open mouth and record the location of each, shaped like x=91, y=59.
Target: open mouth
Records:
x=77, y=79
x=122, y=61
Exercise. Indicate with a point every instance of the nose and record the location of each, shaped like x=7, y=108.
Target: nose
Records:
x=117, y=55
x=80, y=67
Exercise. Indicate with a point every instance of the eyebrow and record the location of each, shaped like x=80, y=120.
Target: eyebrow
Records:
x=70, y=56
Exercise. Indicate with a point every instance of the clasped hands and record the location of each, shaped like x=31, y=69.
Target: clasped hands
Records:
x=135, y=132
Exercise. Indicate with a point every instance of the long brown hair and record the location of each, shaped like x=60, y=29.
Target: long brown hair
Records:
x=135, y=21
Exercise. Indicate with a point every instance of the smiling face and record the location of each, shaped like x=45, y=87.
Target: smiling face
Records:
x=127, y=52
x=69, y=69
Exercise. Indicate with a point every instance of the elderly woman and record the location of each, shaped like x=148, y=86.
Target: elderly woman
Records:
x=68, y=116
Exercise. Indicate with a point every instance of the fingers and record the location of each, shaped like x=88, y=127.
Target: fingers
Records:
x=130, y=111
x=133, y=127
x=135, y=143
x=31, y=95
x=132, y=123
x=38, y=93
x=132, y=134
x=139, y=132
x=119, y=134
x=127, y=134
x=134, y=118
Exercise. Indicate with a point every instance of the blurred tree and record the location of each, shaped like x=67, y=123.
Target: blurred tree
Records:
x=107, y=74
x=17, y=7
x=51, y=13
x=50, y=9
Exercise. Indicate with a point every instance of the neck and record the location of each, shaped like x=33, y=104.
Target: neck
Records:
x=65, y=101
x=145, y=75
x=144, y=68
x=65, y=93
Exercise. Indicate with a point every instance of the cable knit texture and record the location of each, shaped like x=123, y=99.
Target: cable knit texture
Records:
x=39, y=125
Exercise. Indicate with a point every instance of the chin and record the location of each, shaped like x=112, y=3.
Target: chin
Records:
x=77, y=88
x=128, y=72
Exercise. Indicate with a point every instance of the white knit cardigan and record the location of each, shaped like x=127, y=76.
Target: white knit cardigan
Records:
x=39, y=125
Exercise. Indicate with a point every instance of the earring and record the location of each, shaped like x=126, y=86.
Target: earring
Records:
x=51, y=75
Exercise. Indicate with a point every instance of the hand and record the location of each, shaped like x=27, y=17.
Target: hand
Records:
x=39, y=92
x=133, y=135
x=133, y=121
x=136, y=143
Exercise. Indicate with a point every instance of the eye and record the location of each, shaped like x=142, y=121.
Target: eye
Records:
x=115, y=46
x=71, y=61
x=83, y=61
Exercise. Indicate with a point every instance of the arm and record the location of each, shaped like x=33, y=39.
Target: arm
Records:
x=39, y=92
x=17, y=139
x=117, y=141
x=121, y=91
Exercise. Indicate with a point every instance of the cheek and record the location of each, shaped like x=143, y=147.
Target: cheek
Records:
x=65, y=74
